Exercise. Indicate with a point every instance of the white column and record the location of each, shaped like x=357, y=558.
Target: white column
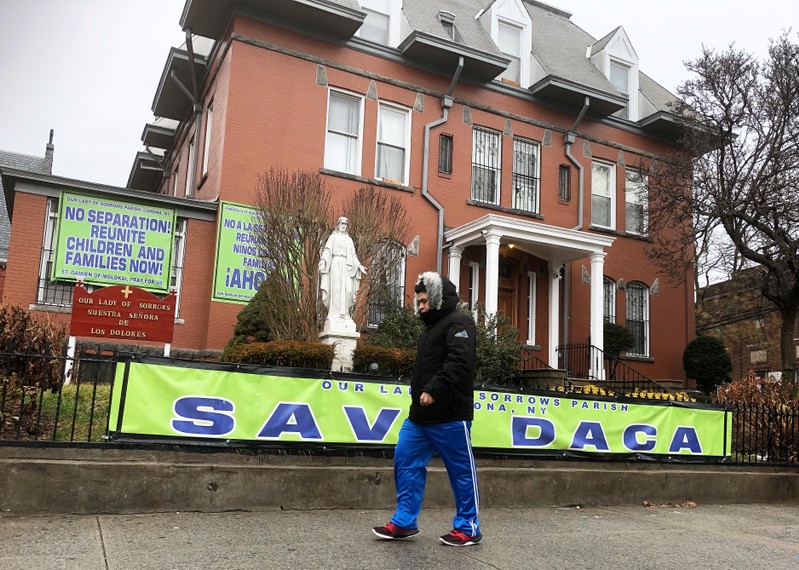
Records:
x=554, y=313
x=492, y=272
x=455, y=254
x=596, y=310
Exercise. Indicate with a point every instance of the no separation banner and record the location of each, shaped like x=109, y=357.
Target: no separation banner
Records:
x=240, y=268
x=211, y=402
x=101, y=241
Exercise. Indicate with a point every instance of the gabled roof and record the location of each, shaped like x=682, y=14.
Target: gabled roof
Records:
x=16, y=161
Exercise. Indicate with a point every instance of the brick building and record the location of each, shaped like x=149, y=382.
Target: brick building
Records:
x=510, y=134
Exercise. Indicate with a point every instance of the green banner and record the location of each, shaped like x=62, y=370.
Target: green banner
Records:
x=240, y=269
x=104, y=242
x=162, y=400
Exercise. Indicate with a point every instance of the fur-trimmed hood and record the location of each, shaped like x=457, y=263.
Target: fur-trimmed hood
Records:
x=441, y=294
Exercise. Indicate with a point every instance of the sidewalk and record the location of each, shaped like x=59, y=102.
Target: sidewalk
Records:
x=635, y=537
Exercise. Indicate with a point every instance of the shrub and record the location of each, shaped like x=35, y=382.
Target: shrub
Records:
x=498, y=350
x=391, y=361
x=765, y=420
x=251, y=323
x=293, y=353
x=706, y=360
x=400, y=328
x=618, y=339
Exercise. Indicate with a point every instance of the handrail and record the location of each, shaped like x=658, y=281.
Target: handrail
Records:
x=529, y=361
x=583, y=361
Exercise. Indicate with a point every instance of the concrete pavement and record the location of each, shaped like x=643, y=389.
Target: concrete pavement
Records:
x=636, y=537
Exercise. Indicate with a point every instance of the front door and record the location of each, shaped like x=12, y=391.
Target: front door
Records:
x=505, y=304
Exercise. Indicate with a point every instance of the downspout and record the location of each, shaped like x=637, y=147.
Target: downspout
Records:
x=446, y=105
x=571, y=136
x=198, y=108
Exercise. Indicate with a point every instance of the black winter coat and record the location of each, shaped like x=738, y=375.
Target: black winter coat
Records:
x=445, y=360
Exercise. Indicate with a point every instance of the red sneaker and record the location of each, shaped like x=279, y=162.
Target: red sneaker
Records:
x=393, y=532
x=458, y=538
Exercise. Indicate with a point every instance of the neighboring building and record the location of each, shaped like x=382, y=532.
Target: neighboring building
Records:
x=511, y=136
x=28, y=163
x=748, y=324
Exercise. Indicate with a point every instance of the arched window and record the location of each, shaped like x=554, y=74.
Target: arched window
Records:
x=386, y=281
x=638, y=317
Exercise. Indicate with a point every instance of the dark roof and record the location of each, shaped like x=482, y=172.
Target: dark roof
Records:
x=16, y=161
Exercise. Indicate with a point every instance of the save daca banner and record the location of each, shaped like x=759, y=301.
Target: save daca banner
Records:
x=164, y=399
x=240, y=269
x=104, y=242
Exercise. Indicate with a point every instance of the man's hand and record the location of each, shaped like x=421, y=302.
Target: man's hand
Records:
x=426, y=399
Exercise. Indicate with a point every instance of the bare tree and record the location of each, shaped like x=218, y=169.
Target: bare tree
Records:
x=294, y=213
x=379, y=227
x=730, y=197
x=296, y=217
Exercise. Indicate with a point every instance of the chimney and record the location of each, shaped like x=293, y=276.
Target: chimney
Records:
x=48, y=155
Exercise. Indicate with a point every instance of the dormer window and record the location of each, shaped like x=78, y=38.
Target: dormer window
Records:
x=447, y=20
x=381, y=24
x=511, y=31
x=620, y=78
x=509, y=41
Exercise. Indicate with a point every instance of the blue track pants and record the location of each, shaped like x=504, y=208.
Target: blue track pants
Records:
x=415, y=448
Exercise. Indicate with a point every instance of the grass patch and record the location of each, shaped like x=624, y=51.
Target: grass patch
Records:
x=85, y=407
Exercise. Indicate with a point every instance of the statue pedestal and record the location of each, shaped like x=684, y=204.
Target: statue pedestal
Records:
x=342, y=334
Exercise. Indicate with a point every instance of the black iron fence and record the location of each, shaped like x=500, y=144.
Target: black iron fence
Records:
x=77, y=411
x=587, y=362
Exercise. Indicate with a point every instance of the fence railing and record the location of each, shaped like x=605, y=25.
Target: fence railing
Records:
x=587, y=362
x=35, y=410
x=78, y=412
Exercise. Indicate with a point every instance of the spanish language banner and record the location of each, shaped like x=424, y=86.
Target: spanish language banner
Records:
x=163, y=400
x=240, y=269
x=104, y=242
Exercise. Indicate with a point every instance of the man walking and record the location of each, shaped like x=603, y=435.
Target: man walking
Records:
x=440, y=418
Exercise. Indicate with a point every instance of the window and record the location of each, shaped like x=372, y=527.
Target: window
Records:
x=531, y=288
x=209, y=121
x=375, y=26
x=49, y=291
x=603, y=184
x=387, y=287
x=474, y=287
x=620, y=79
x=175, y=180
x=609, y=302
x=564, y=183
x=445, y=154
x=179, y=245
x=392, y=142
x=343, y=143
x=189, y=190
x=638, y=317
x=509, y=41
x=635, y=200
x=525, y=175
x=486, y=153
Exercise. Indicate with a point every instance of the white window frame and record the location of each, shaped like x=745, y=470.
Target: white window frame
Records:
x=646, y=328
x=406, y=149
x=45, y=282
x=190, y=168
x=391, y=10
x=627, y=68
x=481, y=135
x=531, y=305
x=516, y=58
x=474, y=286
x=357, y=137
x=176, y=271
x=209, y=122
x=611, y=190
x=636, y=196
x=398, y=295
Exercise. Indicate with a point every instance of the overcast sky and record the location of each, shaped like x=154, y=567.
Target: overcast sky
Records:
x=89, y=68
